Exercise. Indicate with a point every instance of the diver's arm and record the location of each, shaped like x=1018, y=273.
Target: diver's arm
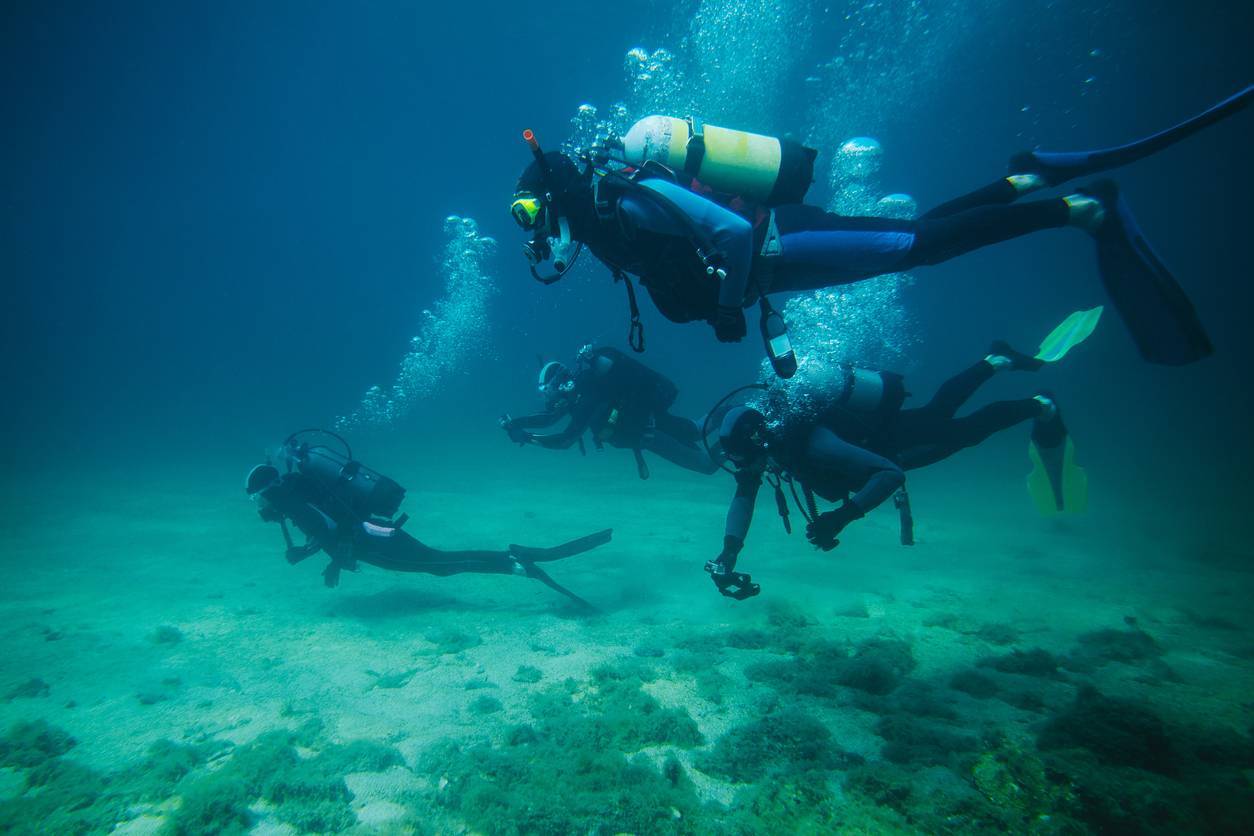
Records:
x=880, y=478
x=729, y=582
x=539, y=419
x=580, y=419
x=729, y=232
x=740, y=512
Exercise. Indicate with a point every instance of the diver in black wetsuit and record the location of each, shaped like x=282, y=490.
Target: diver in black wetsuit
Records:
x=349, y=511
x=621, y=402
x=857, y=449
x=711, y=220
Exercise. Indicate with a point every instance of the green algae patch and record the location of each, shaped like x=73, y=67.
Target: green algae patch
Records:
x=788, y=742
x=485, y=704
x=1119, y=732
x=528, y=674
x=31, y=689
x=538, y=786
x=877, y=666
x=567, y=772
x=29, y=744
x=305, y=790
x=449, y=641
x=63, y=796
x=614, y=711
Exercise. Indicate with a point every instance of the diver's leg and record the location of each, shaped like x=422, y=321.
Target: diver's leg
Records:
x=939, y=239
x=670, y=440
x=399, y=552
x=956, y=391
x=998, y=193
x=936, y=440
x=820, y=249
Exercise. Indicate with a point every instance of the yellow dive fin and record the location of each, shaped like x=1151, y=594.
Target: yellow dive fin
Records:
x=1072, y=331
x=1057, y=484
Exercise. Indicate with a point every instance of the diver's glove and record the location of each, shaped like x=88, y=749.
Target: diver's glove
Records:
x=515, y=432
x=732, y=584
x=729, y=324
x=822, y=532
x=331, y=575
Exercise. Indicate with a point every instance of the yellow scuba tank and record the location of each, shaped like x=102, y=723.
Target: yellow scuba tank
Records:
x=761, y=169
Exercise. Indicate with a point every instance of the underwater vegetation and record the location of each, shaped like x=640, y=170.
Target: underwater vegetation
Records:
x=566, y=772
x=819, y=731
x=298, y=775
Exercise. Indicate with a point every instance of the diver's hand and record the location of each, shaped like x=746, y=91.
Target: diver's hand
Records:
x=822, y=532
x=729, y=324
x=731, y=584
x=515, y=433
x=331, y=575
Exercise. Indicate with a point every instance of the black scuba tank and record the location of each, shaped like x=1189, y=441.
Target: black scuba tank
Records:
x=366, y=492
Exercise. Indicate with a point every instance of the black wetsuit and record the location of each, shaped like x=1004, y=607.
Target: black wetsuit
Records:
x=330, y=526
x=845, y=456
x=625, y=404
x=647, y=231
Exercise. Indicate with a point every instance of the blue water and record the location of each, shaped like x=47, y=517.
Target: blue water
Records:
x=222, y=222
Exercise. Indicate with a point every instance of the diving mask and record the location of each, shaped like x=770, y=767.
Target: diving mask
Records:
x=527, y=211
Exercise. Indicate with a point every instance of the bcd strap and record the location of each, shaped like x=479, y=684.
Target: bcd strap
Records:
x=642, y=467
x=901, y=499
x=635, y=333
x=694, y=150
x=781, y=502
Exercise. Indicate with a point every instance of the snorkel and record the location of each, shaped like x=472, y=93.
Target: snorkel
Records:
x=551, y=241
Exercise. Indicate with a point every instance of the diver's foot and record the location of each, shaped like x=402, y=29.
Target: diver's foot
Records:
x=1049, y=409
x=1031, y=164
x=1001, y=357
x=1026, y=183
x=1085, y=211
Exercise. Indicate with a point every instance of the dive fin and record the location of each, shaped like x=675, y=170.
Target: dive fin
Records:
x=1057, y=167
x=529, y=554
x=1057, y=484
x=543, y=577
x=1069, y=333
x=1150, y=301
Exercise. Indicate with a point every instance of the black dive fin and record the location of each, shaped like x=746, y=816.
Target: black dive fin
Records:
x=1057, y=167
x=543, y=577
x=1150, y=301
x=529, y=554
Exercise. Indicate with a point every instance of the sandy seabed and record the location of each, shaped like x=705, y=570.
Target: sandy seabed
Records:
x=164, y=670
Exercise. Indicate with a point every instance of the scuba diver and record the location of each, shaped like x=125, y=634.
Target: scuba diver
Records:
x=349, y=511
x=711, y=220
x=622, y=402
x=855, y=448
